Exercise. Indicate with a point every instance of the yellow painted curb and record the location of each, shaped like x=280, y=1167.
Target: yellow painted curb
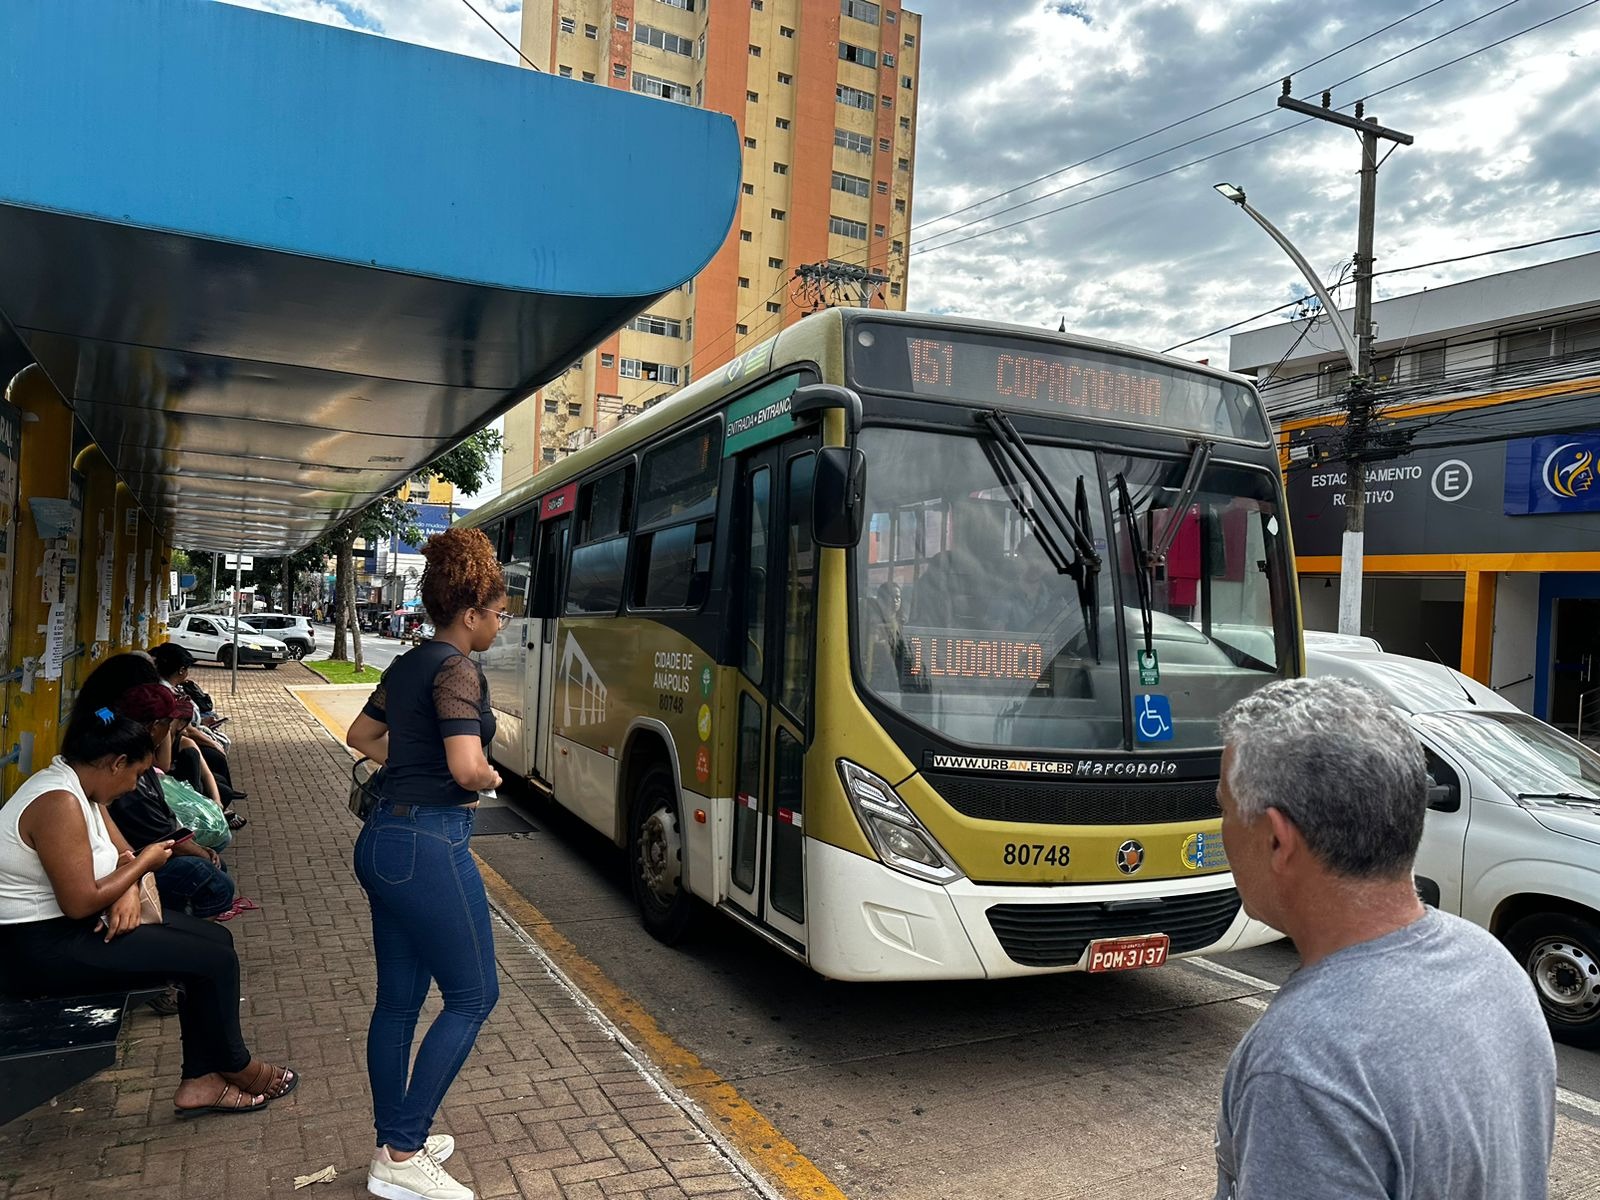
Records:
x=774, y=1155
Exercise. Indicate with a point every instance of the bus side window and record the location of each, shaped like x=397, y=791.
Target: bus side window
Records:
x=545, y=596
x=600, y=553
x=677, y=519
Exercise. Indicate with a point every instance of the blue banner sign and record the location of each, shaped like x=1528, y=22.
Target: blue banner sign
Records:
x=1554, y=474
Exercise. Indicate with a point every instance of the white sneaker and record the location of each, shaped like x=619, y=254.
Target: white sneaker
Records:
x=420, y=1177
x=441, y=1146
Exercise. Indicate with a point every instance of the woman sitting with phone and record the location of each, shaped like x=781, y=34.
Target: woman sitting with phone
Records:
x=71, y=922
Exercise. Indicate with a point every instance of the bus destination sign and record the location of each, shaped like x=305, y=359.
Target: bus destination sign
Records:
x=1052, y=378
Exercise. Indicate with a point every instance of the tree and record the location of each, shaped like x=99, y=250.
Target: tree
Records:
x=467, y=466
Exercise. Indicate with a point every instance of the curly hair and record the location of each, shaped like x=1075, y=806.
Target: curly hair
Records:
x=462, y=572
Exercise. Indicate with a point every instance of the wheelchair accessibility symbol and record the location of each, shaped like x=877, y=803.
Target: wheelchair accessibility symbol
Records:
x=1153, y=720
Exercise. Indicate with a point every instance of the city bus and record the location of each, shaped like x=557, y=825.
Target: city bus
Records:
x=902, y=640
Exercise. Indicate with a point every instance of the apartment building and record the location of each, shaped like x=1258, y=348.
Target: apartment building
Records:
x=825, y=96
x=1483, y=519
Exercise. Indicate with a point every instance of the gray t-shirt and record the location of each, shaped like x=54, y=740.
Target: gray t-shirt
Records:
x=1415, y=1066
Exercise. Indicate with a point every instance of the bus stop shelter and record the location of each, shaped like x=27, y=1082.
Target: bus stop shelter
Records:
x=256, y=271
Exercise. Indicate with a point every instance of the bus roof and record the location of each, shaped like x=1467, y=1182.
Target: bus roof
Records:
x=816, y=338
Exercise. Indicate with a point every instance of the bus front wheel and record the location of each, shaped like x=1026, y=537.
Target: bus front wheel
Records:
x=655, y=855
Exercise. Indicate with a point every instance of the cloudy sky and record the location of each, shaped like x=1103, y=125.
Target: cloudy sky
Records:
x=1507, y=146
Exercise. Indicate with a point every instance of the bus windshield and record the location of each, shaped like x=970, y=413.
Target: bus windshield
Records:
x=970, y=626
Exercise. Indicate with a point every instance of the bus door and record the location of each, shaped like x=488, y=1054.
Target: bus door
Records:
x=776, y=567
x=504, y=671
x=549, y=586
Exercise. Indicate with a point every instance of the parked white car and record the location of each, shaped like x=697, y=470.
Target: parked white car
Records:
x=293, y=631
x=210, y=636
x=1512, y=837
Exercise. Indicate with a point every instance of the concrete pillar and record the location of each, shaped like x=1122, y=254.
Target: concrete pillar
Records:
x=38, y=612
x=97, y=548
x=145, y=587
x=125, y=572
x=163, y=591
x=1477, y=625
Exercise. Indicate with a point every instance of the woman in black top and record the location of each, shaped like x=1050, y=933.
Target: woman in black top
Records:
x=430, y=723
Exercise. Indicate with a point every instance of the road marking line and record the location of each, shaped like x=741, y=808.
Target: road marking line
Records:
x=1565, y=1096
x=730, y=1120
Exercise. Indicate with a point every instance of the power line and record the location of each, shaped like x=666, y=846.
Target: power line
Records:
x=496, y=31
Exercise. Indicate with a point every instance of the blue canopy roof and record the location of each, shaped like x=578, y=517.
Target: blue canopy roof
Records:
x=275, y=266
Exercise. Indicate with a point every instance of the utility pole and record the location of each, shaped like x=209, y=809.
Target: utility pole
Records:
x=1359, y=398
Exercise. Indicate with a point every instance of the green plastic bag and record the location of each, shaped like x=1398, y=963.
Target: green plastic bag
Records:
x=196, y=812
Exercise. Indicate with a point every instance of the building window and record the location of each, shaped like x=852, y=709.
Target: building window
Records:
x=847, y=139
x=755, y=50
x=878, y=231
x=619, y=70
x=741, y=330
x=700, y=93
x=902, y=164
x=780, y=168
x=744, y=234
x=649, y=35
x=551, y=406
x=665, y=89
x=888, y=101
x=785, y=31
x=859, y=55
x=1427, y=362
x=1552, y=341
x=883, y=188
x=845, y=227
x=749, y=189
x=549, y=455
x=774, y=307
x=778, y=214
x=622, y=24
x=890, y=16
x=852, y=185
x=894, y=289
x=588, y=76
x=905, y=81
x=753, y=97
x=608, y=360
x=775, y=263
x=782, y=122
x=884, y=146
x=635, y=368
x=785, y=78
x=686, y=5
x=574, y=408
x=756, y=5
x=568, y=25
x=564, y=72
x=592, y=32
x=661, y=326
x=749, y=143
x=743, y=282
x=900, y=206
x=888, y=60
x=854, y=97
x=905, y=123
x=897, y=247
x=861, y=10
x=910, y=40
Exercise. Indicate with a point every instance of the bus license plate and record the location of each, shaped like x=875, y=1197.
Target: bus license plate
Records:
x=1128, y=953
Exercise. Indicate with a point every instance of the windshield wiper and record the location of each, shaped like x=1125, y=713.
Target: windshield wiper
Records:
x=1142, y=565
x=1016, y=465
x=1573, y=796
x=1199, y=460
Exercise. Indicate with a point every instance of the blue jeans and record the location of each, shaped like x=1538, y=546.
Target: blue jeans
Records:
x=430, y=921
x=192, y=885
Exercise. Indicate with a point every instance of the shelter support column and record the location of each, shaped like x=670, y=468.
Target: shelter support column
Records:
x=1477, y=625
x=125, y=569
x=97, y=548
x=43, y=528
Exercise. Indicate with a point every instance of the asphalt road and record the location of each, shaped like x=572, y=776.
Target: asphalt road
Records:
x=375, y=651
x=1055, y=1087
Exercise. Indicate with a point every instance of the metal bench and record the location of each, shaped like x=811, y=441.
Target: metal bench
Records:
x=48, y=1046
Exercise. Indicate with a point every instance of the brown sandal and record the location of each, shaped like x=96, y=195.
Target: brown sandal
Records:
x=266, y=1080
x=241, y=1102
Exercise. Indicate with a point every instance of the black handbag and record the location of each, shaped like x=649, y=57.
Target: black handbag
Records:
x=366, y=787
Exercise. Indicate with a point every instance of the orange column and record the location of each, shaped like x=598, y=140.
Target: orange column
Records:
x=716, y=289
x=816, y=77
x=1477, y=625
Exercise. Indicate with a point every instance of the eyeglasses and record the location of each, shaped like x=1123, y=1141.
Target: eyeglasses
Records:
x=504, y=614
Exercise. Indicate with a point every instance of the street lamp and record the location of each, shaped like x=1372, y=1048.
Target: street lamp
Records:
x=1352, y=564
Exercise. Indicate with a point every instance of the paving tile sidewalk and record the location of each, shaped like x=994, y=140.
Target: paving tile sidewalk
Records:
x=550, y=1105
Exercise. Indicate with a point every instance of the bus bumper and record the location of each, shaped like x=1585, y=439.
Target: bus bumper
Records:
x=878, y=924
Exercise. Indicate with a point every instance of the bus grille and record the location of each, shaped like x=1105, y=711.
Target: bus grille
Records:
x=1055, y=935
x=1051, y=802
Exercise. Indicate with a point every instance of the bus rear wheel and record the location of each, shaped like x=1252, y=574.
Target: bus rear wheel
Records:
x=655, y=858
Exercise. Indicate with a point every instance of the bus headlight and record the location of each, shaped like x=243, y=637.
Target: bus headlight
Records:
x=893, y=829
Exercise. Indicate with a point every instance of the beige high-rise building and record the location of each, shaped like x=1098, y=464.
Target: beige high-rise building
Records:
x=825, y=96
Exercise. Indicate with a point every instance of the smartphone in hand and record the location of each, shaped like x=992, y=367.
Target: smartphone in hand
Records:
x=182, y=836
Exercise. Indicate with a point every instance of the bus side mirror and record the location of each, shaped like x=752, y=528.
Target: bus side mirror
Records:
x=837, y=496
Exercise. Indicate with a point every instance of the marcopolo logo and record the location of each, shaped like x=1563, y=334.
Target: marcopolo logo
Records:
x=1569, y=469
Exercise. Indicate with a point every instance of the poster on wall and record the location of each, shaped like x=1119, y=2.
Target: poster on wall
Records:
x=102, y=617
x=55, y=641
x=130, y=583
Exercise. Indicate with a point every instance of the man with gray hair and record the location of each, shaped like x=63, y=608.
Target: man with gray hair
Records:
x=1408, y=1056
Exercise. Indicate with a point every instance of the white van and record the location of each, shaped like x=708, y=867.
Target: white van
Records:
x=1512, y=838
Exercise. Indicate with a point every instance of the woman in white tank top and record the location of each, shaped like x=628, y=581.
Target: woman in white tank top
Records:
x=69, y=914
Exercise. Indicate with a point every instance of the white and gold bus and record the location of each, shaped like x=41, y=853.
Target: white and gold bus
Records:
x=902, y=640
